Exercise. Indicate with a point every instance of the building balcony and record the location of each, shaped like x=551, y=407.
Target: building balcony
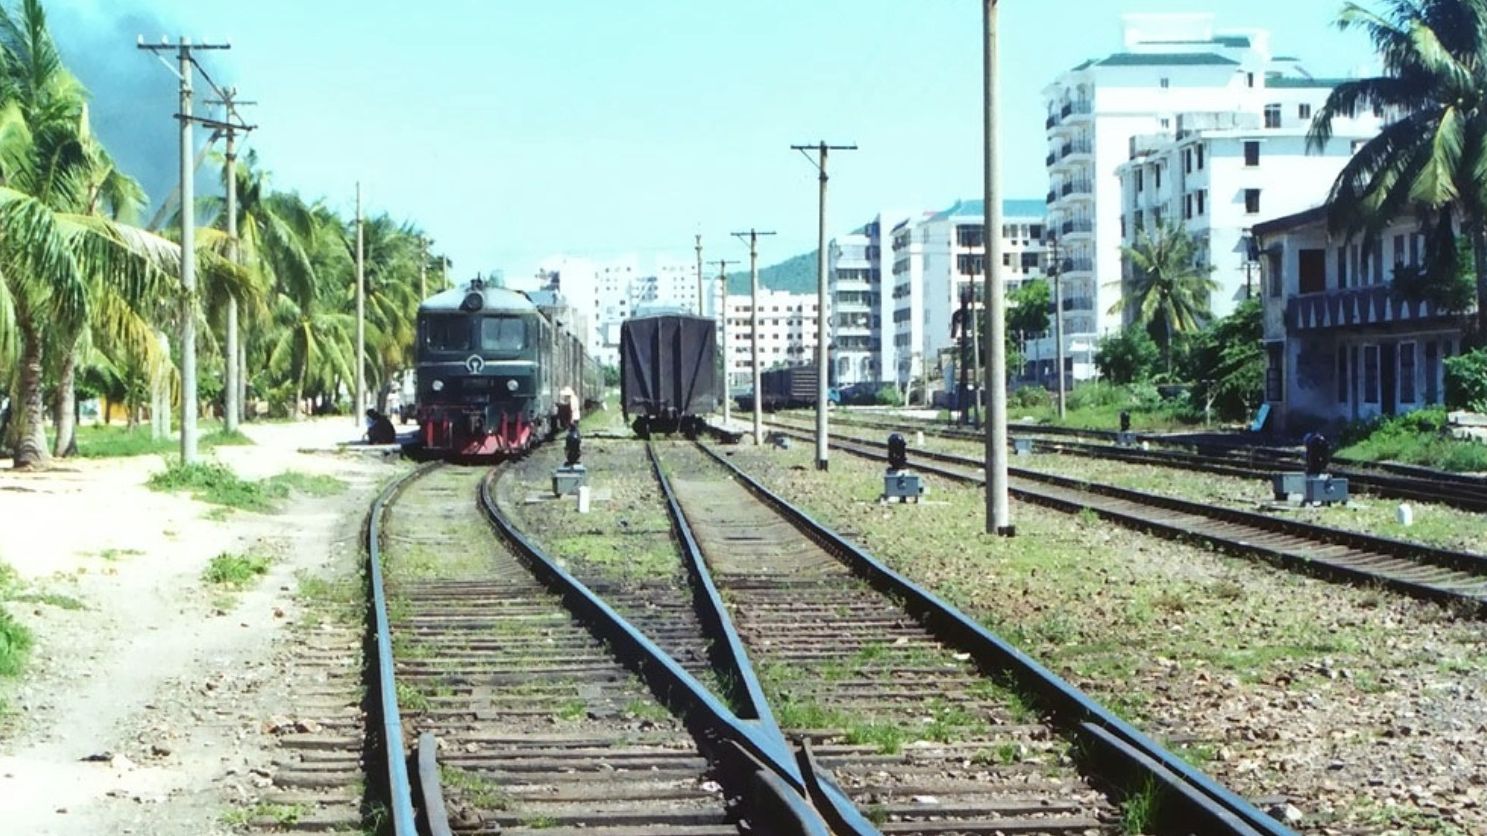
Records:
x=1356, y=306
x=1050, y=159
x=1050, y=121
x=1077, y=226
x=1052, y=196
x=1082, y=148
x=1077, y=265
x=1076, y=110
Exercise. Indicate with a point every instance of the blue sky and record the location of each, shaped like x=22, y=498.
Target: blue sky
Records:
x=514, y=129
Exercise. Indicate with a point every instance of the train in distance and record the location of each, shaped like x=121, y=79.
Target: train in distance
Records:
x=496, y=372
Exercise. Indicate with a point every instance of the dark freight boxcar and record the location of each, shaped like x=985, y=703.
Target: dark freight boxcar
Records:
x=668, y=372
x=792, y=386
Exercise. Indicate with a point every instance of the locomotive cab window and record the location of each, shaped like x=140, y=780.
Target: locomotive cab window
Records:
x=503, y=334
x=446, y=333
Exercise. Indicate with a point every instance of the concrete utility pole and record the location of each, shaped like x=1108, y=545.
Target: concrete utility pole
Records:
x=723, y=318
x=998, y=506
x=700, y=308
x=823, y=356
x=232, y=404
x=1056, y=268
x=361, y=319
x=183, y=49
x=754, y=330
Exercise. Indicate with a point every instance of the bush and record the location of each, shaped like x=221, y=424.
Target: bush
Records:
x=1127, y=357
x=1466, y=381
x=1031, y=397
x=889, y=396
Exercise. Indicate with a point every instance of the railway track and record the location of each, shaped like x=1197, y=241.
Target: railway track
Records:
x=1394, y=481
x=530, y=704
x=1451, y=577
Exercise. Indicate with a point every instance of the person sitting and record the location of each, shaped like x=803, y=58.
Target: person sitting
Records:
x=379, y=428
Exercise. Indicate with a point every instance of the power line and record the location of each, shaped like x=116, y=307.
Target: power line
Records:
x=756, y=374
x=823, y=358
x=184, y=49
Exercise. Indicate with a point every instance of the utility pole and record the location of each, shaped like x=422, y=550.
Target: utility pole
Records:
x=361, y=319
x=183, y=49
x=1056, y=267
x=998, y=506
x=754, y=330
x=700, y=308
x=723, y=318
x=823, y=357
x=233, y=401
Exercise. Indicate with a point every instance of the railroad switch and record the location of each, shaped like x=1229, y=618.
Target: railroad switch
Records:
x=898, y=481
x=1314, y=486
x=567, y=479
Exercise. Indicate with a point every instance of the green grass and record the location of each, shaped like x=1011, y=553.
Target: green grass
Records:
x=235, y=570
x=52, y=599
x=1419, y=438
x=1138, y=812
x=280, y=814
x=475, y=789
x=216, y=483
x=106, y=441
x=15, y=644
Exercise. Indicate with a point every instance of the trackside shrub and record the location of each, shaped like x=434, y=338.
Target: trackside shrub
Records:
x=1466, y=381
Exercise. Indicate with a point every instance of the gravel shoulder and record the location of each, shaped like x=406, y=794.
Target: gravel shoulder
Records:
x=1360, y=709
x=142, y=706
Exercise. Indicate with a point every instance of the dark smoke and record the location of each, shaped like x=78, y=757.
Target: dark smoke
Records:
x=133, y=96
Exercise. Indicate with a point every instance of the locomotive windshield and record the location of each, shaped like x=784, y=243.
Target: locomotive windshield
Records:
x=503, y=334
x=446, y=333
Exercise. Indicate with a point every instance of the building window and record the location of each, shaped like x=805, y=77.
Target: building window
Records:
x=1200, y=157
x=1342, y=375
x=1202, y=193
x=1312, y=271
x=1370, y=374
x=1156, y=177
x=1272, y=116
x=1187, y=207
x=1166, y=123
x=1140, y=180
x=1251, y=154
x=1252, y=201
x=1187, y=161
x=1273, y=265
x=1249, y=79
x=1342, y=267
x=1275, y=372
x=1432, y=371
x=1166, y=82
x=1139, y=218
x=1303, y=110
x=1406, y=372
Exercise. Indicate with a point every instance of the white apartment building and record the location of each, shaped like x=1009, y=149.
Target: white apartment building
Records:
x=605, y=294
x=1217, y=175
x=861, y=305
x=1171, y=67
x=787, y=333
x=939, y=256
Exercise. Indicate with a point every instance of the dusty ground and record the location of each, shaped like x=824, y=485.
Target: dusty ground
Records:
x=1361, y=709
x=141, y=711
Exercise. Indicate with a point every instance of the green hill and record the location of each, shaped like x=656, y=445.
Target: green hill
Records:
x=793, y=275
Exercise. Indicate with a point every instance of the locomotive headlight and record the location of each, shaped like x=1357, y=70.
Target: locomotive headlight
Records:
x=512, y=385
x=437, y=386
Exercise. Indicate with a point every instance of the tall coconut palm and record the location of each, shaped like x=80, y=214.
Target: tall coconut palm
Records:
x=1430, y=160
x=1169, y=289
x=58, y=253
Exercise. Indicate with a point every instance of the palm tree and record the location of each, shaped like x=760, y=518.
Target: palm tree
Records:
x=1431, y=159
x=61, y=261
x=1169, y=287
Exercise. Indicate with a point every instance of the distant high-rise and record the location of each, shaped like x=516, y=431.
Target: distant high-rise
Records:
x=1173, y=72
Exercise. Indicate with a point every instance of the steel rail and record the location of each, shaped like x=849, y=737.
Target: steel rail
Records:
x=1384, y=479
x=663, y=674
x=1420, y=555
x=385, y=693
x=842, y=815
x=1418, y=552
x=1194, y=802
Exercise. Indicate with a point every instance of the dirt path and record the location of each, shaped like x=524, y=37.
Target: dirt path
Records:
x=142, y=708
